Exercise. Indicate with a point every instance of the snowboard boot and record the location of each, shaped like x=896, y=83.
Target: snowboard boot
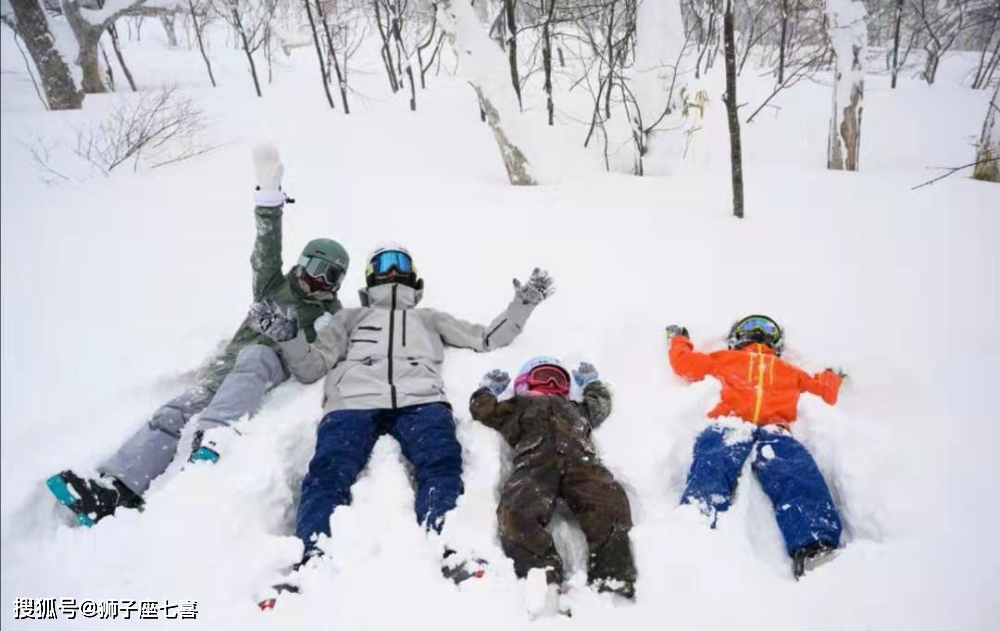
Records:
x=202, y=452
x=810, y=557
x=209, y=445
x=461, y=570
x=91, y=500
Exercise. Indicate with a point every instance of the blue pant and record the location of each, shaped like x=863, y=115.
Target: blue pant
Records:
x=344, y=442
x=787, y=473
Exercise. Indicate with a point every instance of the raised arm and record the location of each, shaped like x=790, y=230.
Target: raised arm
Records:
x=686, y=362
x=485, y=408
x=266, y=258
x=596, y=405
x=505, y=327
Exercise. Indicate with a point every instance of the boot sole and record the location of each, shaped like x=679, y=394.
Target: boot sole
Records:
x=57, y=485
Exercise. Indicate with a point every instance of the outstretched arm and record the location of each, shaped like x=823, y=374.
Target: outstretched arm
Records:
x=688, y=363
x=505, y=327
x=825, y=384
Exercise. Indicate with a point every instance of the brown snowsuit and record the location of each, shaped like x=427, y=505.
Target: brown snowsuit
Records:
x=555, y=458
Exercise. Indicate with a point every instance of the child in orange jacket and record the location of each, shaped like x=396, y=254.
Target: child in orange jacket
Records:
x=760, y=388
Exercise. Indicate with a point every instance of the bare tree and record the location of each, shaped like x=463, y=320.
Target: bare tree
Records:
x=332, y=50
x=988, y=149
x=57, y=82
x=148, y=131
x=169, y=21
x=483, y=63
x=198, y=31
x=88, y=26
x=116, y=45
x=849, y=40
x=735, y=144
x=251, y=21
x=941, y=24
x=324, y=73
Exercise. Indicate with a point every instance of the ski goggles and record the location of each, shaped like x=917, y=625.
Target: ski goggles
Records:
x=321, y=270
x=758, y=324
x=384, y=262
x=547, y=377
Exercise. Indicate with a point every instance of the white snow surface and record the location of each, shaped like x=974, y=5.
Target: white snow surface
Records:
x=115, y=290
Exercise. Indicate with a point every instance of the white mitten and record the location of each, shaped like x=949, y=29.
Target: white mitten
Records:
x=269, y=171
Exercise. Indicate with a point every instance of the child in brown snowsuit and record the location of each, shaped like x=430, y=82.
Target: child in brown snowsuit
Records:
x=554, y=458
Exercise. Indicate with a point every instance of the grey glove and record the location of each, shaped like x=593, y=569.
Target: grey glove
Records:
x=539, y=287
x=496, y=381
x=674, y=330
x=267, y=319
x=585, y=374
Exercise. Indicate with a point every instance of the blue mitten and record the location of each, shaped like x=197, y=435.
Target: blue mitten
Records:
x=585, y=374
x=496, y=381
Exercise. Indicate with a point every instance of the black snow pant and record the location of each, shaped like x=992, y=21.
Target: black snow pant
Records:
x=599, y=503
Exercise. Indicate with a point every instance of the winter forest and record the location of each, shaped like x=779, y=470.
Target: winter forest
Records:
x=223, y=219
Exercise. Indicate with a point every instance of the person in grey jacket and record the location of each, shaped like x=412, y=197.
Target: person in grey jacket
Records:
x=382, y=364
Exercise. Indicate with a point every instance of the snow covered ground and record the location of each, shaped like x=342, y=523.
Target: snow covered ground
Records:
x=114, y=290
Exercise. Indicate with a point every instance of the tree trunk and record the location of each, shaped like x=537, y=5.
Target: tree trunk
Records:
x=783, y=42
x=897, y=27
x=611, y=62
x=108, y=69
x=201, y=44
x=931, y=64
x=735, y=146
x=988, y=150
x=57, y=82
x=386, y=50
x=420, y=53
x=113, y=32
x=400, y=53
x=484, y=63
x=319, y=54
x=167, y=19
x=246, y=46
x=547, y=61
x=341, y=81
x=849, y=37
x=515, y=77
x=88, y=39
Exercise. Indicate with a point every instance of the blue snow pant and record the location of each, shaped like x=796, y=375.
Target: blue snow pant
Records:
x=344, y=442
x=787, y=473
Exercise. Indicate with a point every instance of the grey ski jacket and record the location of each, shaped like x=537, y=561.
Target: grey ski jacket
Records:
x=388, y=353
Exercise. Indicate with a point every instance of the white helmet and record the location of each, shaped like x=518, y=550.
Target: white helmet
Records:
x=388, y=257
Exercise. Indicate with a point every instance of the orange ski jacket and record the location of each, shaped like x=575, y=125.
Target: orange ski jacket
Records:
x=757, y=385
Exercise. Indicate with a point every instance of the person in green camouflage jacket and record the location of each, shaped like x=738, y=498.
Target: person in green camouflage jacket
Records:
x=234, y=384
x=554, y=457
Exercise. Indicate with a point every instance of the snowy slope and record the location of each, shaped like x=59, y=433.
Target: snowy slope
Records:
x=116, y=289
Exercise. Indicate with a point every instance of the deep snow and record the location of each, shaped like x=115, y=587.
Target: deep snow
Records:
x=116, y=289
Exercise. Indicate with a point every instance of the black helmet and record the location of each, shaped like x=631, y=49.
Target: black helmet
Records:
x=757, y=329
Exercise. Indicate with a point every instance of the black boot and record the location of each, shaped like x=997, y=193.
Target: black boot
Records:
x=811, y=556
x=91, y=500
